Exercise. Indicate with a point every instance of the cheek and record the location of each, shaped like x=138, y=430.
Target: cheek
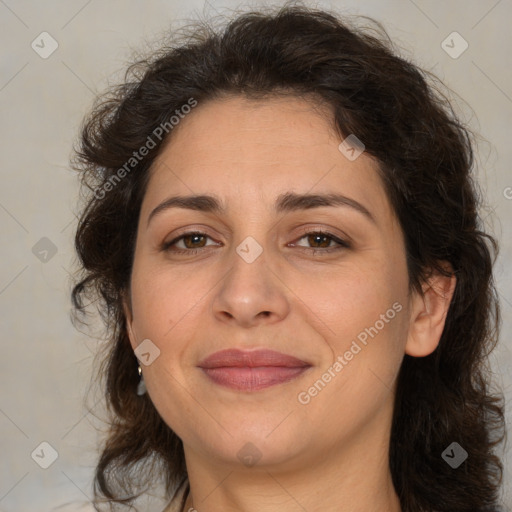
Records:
x=161, y=298
x=365, y=310
x=350, y=298
x=365, y=315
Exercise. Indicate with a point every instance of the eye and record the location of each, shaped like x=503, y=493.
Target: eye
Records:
x=191, y=243
x=194, y=241
x=322, y=240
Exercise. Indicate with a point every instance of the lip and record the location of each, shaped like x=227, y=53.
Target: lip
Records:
x=252, y=370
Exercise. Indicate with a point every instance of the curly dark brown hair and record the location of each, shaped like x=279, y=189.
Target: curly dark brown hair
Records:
x=426, y=160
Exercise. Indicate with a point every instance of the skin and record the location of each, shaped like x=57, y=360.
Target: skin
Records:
x=328, y=454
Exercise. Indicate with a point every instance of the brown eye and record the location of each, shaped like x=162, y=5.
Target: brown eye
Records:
x=322, y=240
x=325, y=240
x=190, y=242
x=319, y=241
x=193, y=240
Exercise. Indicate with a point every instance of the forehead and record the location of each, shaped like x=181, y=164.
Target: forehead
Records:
x=241, y=148
x=240, y=128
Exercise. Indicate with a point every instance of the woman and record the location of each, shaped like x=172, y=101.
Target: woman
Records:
x=282, y=228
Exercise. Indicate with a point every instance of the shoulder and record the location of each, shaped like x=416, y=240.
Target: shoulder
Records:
x=175, y=504
x=75, y=506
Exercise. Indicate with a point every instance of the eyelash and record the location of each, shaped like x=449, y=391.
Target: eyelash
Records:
x=342, y=244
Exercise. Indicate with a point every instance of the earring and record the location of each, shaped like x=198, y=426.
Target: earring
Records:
x=141, y=387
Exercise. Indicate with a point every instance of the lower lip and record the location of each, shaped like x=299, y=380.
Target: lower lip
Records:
x=253, y=379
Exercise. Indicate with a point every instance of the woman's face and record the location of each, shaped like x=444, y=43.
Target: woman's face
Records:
x=252, y=281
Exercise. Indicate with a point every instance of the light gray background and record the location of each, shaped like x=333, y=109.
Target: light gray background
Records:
x=46, y=363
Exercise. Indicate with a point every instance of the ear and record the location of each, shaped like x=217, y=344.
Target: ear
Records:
x=127, y=309
x=428, y=313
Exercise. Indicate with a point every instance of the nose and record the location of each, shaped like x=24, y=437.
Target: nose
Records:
x=251, y=293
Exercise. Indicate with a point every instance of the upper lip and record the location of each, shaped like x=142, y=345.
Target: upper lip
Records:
x=256, y=358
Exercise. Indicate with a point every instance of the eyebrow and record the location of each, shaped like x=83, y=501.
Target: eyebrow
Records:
x=287, y=202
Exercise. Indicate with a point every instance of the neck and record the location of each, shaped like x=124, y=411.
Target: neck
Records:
x=354, y=477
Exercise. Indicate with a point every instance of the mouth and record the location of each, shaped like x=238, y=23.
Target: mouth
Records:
x=252, y=370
